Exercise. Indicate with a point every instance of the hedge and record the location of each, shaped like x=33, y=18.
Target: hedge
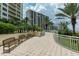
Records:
x=6, y=28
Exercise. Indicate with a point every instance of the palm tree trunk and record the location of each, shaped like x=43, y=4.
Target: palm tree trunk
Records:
x=73, y=20
x=73, y=25
x=46, y=27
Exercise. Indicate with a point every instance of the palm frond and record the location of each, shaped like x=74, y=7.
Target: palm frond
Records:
x=72, y=8
x=64, y=11
x=61, y=14
x=59, y=18
x=77, y=10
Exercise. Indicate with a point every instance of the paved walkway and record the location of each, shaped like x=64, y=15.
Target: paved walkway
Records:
x=40, y=46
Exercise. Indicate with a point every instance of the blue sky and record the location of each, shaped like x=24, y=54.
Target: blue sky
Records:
x=45, y=8
x=49, y=9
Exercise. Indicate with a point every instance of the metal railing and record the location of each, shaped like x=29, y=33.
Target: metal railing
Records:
x=70, y=42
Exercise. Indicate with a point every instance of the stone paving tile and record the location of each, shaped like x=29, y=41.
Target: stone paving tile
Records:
x=40, y=46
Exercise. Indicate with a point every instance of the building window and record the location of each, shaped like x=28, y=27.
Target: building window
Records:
x=5, y=4
x=4, y=14
x=4, y=9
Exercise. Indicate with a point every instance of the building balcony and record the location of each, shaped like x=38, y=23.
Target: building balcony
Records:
x=18, y=4
x=12, y=6
x=12, y=15
x=11, y=11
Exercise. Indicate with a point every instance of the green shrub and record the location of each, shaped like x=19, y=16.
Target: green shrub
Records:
x=63, y=29
x=76, y=34
x=6, y=28
x=4, y=20
x=29, y=27
x=39, y=29
x=36, y=28
x=23, y=26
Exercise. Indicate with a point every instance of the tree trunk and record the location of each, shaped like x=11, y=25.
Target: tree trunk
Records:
x=73, y=20
x=46, y=27
x=73, y=25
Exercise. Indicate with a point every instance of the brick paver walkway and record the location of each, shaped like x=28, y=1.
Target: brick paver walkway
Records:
x=40, y=46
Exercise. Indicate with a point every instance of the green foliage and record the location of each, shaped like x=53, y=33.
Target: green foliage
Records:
x=22, y=26
x=69, y=11
x=6, y=28
x=63, y=29
x=36, y=28
x=39, y=29
x=10, y=26
x=4, y=20
x=29, y=27
x=77, y=34
x=26, y=19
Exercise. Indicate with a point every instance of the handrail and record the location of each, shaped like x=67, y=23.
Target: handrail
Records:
x=70, y=42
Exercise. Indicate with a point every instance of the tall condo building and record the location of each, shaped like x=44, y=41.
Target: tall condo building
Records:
x=11, y=11
x=36, y=18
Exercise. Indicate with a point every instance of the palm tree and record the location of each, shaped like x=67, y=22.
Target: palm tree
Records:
x=70, y=11
x=50, y=24
x=26, y=19
x=46, y=22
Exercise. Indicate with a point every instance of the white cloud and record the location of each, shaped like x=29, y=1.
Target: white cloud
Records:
x=49, y=9
x=32, y=8
x=45, y=8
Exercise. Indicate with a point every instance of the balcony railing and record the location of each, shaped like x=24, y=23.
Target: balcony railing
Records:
x=13, y=11
x=70, y=42
x=12, y=15
x=12, y=5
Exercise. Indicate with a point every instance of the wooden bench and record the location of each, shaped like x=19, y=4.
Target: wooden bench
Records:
x=9, y=44
x=21, y=38
x=29, y=35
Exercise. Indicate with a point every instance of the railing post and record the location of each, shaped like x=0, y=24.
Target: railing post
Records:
x=58, y=38
x=78, y=44
x=70, y=42
x=73, y=44
x=73, y=41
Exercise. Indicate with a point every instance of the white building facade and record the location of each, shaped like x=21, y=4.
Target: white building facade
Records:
x=36, y=18
x=11, y=11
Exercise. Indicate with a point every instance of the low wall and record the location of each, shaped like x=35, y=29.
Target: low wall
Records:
x=5, y=36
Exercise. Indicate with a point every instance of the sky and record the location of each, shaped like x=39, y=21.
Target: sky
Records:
x=44, y=8
x=48, y=9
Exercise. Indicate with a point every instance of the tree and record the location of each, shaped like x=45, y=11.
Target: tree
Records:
x=63, y=28
x=45, y=22
x=22, y=26
x=26, y=19
x=50, y=24
x=4, y=20
x=7, y=28
x=70, y=11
